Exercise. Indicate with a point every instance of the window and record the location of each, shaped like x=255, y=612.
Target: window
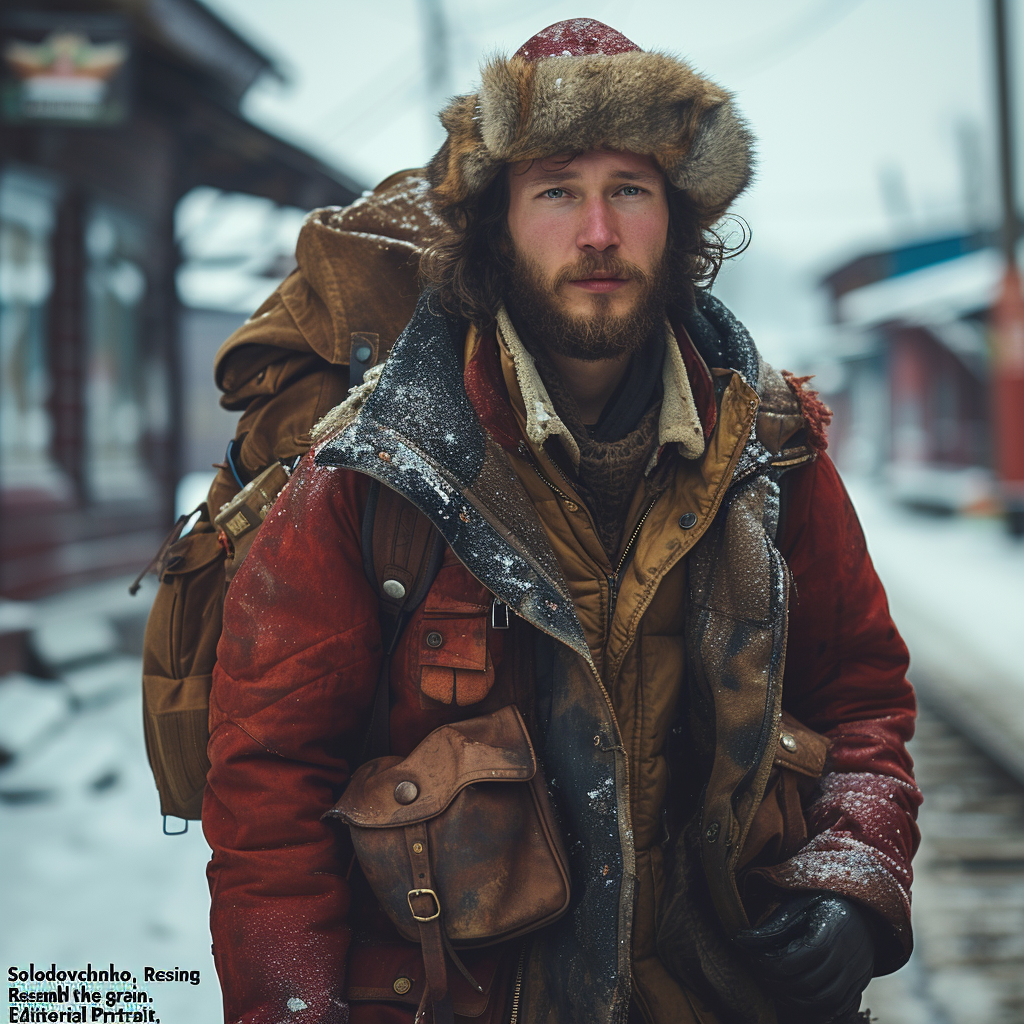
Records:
x=27, y=217
x=123, y=388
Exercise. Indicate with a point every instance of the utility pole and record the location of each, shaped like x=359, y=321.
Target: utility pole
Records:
x=437, y=57
x=1007, y=318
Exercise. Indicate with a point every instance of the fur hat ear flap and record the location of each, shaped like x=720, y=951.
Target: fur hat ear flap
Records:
x=719, y=164
x=462, y=167
x=506, y=89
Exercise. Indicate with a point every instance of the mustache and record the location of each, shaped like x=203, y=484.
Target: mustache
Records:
x=589, y=264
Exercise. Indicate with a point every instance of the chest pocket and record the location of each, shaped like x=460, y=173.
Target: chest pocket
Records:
x=455, y=661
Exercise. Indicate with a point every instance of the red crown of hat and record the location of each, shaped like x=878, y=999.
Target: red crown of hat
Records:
x=580, y=85
x=577, y=37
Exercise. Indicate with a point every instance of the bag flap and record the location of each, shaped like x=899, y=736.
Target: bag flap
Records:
x=799, y=748
x=491, y=748
x=194, y=551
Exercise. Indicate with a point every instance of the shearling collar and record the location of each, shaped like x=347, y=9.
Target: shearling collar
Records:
x=678, y=422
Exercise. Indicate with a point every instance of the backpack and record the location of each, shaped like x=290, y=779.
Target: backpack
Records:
x=295, y=359
x=184, y=626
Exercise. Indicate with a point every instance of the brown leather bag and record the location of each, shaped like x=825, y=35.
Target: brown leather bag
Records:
x=459, y=842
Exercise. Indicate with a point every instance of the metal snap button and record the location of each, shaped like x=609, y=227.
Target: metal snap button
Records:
x=363, y=352
x=788, y=741
x=402, y=985
x=406, y=792
x=417, y=847
x=687, y=519
x=434, y=639
x=712, y=832
x=393, y=589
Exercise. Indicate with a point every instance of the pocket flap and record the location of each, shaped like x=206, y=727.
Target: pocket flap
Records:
x=394, y=974
x=454, y=643
x=799, y=748
x=490, y=748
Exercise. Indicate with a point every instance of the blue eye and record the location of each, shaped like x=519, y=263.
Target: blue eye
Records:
x=555, y=193
x=631, y=190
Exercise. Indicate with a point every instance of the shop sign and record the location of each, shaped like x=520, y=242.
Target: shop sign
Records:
x=64, y=69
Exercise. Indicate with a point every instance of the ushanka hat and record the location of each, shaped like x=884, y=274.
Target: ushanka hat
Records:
x=580, y=85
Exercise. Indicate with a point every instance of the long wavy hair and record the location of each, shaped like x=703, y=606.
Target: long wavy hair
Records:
x=469, y=264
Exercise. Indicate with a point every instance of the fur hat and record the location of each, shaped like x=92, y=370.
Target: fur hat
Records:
x=579, y=85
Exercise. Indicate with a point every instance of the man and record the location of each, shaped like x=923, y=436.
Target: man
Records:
x=604, y=453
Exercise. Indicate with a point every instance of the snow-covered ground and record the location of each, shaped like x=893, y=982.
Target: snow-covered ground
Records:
x=86, y=873
x=956, y=590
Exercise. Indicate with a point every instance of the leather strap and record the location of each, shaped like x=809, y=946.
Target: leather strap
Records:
x=399, y=544
x=426, y=908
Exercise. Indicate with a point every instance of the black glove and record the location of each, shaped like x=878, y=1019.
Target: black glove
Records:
x=815, y=955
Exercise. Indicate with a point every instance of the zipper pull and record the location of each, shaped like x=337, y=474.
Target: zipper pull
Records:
x=613, y=595
x=499, y=614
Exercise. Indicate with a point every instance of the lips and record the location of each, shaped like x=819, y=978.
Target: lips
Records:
x=599, y=276
x=600, y=283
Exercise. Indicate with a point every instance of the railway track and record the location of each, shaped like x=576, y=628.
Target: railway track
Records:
x=968, y=964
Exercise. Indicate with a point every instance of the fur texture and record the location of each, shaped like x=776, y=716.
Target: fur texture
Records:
x=816, y=413
x=640, y=101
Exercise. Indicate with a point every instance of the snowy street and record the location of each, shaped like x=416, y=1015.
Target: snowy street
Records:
x=956, y=590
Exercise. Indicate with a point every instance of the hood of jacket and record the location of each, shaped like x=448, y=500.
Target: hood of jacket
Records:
x=356, y=279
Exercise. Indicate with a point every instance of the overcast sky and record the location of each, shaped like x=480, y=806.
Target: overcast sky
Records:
x=874, y=117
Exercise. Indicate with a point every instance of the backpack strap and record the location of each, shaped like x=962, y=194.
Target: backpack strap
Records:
x=402, y=553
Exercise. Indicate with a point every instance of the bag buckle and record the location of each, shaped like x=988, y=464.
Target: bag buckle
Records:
x=424, y=892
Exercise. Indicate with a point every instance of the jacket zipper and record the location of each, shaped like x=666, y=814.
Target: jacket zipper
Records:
x=559, y=492
x=613, y=582
x=519, y=985
x=616, y=579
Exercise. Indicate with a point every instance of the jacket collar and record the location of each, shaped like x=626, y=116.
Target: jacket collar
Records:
x=419, y=434
x=679, y=422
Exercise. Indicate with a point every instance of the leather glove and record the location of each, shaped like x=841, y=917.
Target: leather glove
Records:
x=815, y=956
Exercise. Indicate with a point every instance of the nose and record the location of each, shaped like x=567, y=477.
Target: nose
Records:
x=597, y=232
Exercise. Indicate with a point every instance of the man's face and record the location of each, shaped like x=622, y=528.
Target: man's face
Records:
x=589, y=241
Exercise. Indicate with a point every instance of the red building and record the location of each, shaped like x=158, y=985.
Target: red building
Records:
x=915, y=400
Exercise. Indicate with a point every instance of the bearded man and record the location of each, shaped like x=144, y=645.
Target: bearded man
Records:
x=648, y=560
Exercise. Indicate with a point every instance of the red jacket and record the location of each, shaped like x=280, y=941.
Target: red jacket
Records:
x=298, y=666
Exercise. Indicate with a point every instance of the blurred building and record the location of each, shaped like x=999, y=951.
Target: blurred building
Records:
x=912, y=398
x=110, y=112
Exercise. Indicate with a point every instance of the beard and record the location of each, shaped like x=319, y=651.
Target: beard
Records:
x=535, y=308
